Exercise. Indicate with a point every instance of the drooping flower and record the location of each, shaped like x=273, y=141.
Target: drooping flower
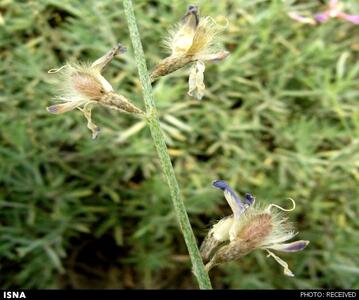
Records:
x=83, y=86
x=249, y=228
x=334, y=10
x=193, y=41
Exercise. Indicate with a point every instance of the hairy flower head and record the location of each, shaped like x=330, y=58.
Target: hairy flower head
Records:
x=82, y=86
x=251, y=227
x=192, y=42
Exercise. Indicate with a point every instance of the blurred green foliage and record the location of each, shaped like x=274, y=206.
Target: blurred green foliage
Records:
x=280, y=119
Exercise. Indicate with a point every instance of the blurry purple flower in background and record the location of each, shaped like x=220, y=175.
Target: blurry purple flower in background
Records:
x=334, y=10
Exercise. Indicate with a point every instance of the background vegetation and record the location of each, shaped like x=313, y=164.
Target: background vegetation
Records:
x=280, y=119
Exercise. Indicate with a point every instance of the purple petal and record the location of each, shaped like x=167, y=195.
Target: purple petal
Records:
x=351, y=18
x=290, y=247
x=222, y=185
x=323, y=17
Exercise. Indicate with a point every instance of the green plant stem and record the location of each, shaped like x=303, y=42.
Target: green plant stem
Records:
x=159, y=141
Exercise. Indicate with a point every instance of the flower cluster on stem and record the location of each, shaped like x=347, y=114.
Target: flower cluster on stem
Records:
x=249, y=228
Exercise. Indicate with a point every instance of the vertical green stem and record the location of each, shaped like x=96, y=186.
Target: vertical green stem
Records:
x=159, y=141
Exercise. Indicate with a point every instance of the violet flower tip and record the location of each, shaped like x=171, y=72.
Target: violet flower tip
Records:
x=220, y=184
x=52, y=109
x=298, y=246
x=192, y=8
x=121, y=48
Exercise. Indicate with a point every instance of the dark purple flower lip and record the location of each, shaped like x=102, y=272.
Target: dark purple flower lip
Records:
x=249, y=199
